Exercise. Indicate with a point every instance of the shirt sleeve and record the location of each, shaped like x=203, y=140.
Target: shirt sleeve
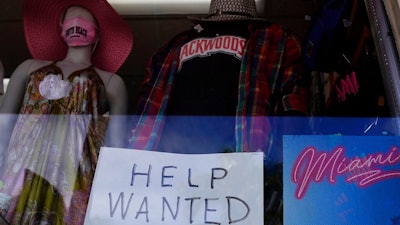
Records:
x=295, y=92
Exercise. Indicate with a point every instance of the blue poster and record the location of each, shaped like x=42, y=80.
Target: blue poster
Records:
x=340, y=180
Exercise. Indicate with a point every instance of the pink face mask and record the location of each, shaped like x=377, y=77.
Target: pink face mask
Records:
x=78, y=32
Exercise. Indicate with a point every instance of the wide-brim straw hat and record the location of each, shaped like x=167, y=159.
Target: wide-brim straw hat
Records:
x=43, y=31
x=231, y=10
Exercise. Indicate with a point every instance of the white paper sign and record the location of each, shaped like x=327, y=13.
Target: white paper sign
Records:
x=145, y=187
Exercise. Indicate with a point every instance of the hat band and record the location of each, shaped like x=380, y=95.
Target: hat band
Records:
x=218, y=13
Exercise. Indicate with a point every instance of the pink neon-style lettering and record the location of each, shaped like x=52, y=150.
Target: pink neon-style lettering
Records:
x=347, y=86
x=312, y=165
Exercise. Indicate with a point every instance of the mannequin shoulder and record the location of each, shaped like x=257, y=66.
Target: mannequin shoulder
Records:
x=110, y=80
x=27, y=66
x=103, y=73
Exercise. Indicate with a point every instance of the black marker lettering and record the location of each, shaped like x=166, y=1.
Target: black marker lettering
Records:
x=145, y=174
x=206, y=209
x=120, y=198
x=229, y=198
x=141, y=211
x=165, y=202
x=213, y=177
x=164, y=176
x=191, y=208
x=190, y=179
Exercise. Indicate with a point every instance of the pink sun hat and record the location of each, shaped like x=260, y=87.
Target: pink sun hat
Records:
x=43, y=31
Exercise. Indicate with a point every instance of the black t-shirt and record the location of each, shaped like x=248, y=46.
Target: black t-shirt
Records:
x=208, y=75
x=204, y=97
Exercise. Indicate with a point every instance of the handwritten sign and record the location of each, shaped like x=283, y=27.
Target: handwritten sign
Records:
x=146, y=187
x=341, y=179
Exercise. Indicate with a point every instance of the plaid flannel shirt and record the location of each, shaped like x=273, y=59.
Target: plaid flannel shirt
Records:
x=269, y=85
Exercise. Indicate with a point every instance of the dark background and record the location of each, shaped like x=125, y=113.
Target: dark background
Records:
x=150, y=32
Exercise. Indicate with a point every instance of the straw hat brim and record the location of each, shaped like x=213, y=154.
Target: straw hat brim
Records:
x=43, y=31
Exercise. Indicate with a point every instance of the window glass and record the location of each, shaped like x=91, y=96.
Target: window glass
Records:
x=199, y=112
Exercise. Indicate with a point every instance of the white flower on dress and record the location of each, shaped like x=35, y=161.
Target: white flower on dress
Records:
x=54, y=87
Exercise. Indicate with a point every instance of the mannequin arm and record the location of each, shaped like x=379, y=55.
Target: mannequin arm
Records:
x=16, y=88
x=11, y=102
x=117, y=95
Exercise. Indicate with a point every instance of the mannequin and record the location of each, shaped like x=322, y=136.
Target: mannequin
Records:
x=212, y=88
x=63, y=103
x=76, y=58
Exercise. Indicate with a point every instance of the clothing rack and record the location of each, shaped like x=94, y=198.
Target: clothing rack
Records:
x=388, y=56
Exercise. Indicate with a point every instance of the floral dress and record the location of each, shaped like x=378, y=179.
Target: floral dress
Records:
x=54, y=147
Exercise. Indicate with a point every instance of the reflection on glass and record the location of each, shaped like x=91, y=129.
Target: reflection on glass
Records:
x=50, y=172
x=157, y=7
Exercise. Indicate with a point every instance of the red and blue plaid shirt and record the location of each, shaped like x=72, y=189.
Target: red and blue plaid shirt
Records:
x=269, y=85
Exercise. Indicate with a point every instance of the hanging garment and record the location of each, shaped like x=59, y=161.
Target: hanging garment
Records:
x=53, y=149
x=270, y=75
x=340, y=58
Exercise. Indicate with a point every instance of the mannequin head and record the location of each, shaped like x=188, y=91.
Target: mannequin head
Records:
x=79, y=27
x=42, y=30
x=78, y=11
